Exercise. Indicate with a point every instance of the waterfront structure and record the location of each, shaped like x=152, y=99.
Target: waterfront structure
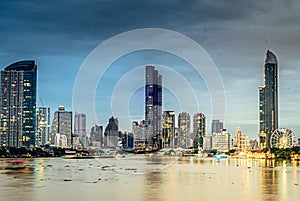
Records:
x=283, y=138
x=221, y=141
x=18, y=104
x=199, y=126
x=43, y=135
x=80, y=128
x=240, y=140
x=62, y=125
x=268, y=101
x=111, y=133
x=96, y=136
x=153, y=104
x=184, y=130
x=216, y=126
x=168, y=130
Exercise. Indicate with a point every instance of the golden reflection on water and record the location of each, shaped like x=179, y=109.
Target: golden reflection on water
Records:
x=165, y=180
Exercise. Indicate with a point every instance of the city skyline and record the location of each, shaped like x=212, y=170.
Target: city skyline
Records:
x=235, y=35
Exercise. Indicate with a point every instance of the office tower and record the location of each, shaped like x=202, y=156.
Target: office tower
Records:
x=62, y=127
x=268, y=101
x=43, y=135
x=184, y=130
x=168, y=130
x=96, y=136
x=153, y=103
x=216, y=126
x=111, y=133
x=199, y=129
x=80, y=128
x=18, y=104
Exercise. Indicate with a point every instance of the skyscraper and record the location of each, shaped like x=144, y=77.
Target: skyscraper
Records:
x=168, y=130
x=111, y=133
x=268, y=101
x=96, y=136
x=199, y=126
x=18, y=104
x=80, y=127
x=184, y=129
x=43, y=135
x=153, y=103
x=216, y=126
x=62, y=126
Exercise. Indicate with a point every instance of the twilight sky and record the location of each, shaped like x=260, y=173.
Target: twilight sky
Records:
x=236, y=34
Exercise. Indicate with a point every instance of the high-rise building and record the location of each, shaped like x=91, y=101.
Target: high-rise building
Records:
x=43, y=135
x=199, y=126
x=111, y=133
x=216, y=126
x=184, y=130
x=168, y=130
x=80, y=127
x=268, y=101
x=62, y=127
x=96, y=136
x=153, y=103
x=18, y=104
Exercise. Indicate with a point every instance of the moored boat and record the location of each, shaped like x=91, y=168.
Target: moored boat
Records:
x=16, y=165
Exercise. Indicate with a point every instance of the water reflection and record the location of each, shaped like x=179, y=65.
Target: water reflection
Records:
x=151, y=178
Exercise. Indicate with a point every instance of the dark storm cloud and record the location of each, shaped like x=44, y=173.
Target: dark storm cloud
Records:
x=54, y=26
x=235, y=33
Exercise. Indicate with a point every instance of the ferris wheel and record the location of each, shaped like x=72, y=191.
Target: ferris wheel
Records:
x=283, y=138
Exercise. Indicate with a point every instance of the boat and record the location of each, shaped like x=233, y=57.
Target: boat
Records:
x=16, y=165
x=140, y=151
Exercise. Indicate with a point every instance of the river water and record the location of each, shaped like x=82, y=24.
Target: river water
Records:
x=144, y=178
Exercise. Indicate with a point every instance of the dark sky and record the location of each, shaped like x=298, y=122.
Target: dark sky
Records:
x=236, y=34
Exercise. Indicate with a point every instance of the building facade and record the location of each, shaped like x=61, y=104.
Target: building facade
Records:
x=43, y=135
x=80, y=128
x=18, y=104
x=111, y=133
x=216, y=126
x=138, y=130
x=184, y=130
x=153, y=103
x=168, y=130
x=268, y=101
x=96, y=136
x=221, y=141
x=199, y=127
x=240, y=140
x=62, y=127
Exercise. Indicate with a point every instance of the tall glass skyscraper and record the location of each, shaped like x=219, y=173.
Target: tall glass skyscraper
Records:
x=268, y=101
x=199, y=126
x=153, y=103
x=184, y=130
x=18, y=104
x=43, y=135
x=80, y=125
x=168, y=130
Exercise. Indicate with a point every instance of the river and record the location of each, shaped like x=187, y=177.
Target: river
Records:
x=144, y=178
